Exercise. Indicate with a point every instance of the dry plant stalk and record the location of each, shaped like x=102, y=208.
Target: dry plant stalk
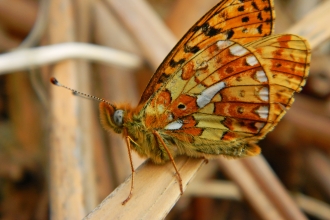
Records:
x=125, y=14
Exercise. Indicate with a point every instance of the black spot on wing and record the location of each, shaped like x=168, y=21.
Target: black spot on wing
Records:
x=245, y=19
x=241, y=8
x=255, y=6
x=267, y=8
x=163, y=78
x=195, y=28
x=210, y=31
x=174, y=63
x=259, y=28
x=230, y=34
x=269, y=20
x=193, y=49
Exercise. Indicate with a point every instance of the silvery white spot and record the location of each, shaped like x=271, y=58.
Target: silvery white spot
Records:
x=174, y=125
x=170, y=117
x=251, y=60
x=238, y=50
x=261, y=76
x=203, y=65
x=205, y=97
x=223, y=44
x=160, y=108
x=264, y=93
x=118, y=117
x=263, y=112
x=259, y=125
x=283, y=107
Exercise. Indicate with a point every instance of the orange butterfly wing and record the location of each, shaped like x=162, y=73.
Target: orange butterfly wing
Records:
x=240, y=20
x=229, y=96
x=227, y=83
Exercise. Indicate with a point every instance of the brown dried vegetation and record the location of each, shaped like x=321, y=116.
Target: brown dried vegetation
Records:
x=57, y=162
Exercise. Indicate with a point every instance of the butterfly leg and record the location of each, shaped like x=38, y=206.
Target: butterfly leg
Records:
x=171, y=158
x=128, y=144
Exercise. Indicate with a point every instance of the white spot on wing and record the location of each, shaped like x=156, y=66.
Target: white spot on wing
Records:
x=205, y=97
x=264, y=94
x=238, y=50
x=251, y=60
x=263, y=112
x=261, y=76
x=203, y=65
x=160, y=108
x=174, y=125
x=223, y=44
x=259, y=125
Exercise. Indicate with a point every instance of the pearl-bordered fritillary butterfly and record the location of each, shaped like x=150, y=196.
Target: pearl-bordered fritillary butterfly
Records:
x=221, y=89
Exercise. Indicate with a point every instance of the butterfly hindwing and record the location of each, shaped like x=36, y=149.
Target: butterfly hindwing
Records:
x=230, y=95
x=240, y=20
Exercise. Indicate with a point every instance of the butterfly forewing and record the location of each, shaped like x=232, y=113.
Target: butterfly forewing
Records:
x=240, y=20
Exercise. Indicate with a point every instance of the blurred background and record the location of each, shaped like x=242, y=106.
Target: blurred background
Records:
x=47, y=134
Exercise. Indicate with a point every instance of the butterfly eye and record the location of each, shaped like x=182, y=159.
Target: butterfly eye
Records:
x=181, y=106
x=118, y=117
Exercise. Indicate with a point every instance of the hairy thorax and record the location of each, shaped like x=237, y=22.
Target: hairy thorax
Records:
x=144, y=141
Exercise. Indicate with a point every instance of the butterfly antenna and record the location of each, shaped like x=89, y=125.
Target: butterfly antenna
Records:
x=54, y=81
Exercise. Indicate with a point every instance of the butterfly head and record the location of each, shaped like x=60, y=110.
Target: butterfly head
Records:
x=112, y=117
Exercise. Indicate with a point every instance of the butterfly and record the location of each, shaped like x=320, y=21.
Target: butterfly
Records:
x=221, y=89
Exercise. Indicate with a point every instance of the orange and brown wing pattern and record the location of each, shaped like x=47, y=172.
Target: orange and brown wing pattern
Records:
x=231, y=94
x=240, y=20
x=286, y=62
